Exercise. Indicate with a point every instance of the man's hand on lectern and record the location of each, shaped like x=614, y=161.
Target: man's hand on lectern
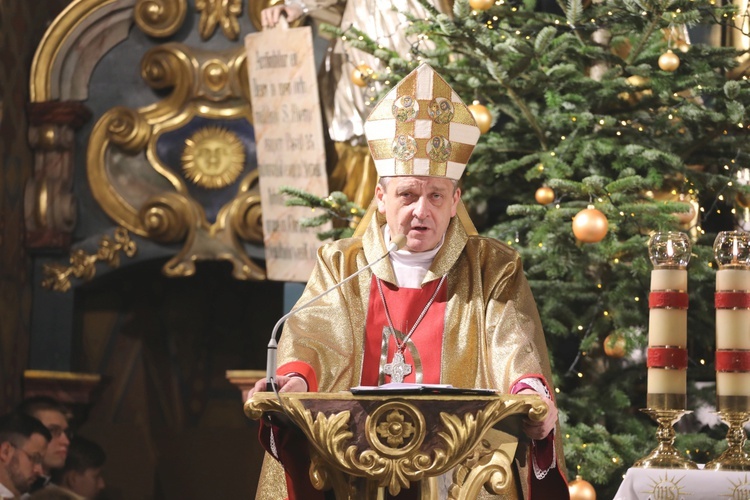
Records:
x=284, y=383
x=540, y=430
x=270, y=17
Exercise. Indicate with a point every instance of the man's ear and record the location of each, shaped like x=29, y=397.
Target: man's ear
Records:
x=6, y=452
x=70, y=479
x=454, y=201
x=379, y=197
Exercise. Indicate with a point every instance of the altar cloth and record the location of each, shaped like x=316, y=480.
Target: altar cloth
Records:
x=678, y=484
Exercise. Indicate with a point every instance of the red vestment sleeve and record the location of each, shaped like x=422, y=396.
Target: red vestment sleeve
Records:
x=289, y=446
x=545, y=477
x=300, y=369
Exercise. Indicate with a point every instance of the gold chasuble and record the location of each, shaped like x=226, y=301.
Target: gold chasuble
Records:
x=492, y=334
x=484, y=320
x=473, y=323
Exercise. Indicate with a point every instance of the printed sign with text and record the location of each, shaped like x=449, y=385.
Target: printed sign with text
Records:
x=289, y=141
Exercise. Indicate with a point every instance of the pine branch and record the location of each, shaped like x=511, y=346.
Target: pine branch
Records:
x=336, y=207
x=643, y=39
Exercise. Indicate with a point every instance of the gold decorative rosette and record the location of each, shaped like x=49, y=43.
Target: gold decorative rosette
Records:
x=393, y=442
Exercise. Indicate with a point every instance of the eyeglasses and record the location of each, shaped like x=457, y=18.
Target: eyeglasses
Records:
x=58, y=431
x=35, y=459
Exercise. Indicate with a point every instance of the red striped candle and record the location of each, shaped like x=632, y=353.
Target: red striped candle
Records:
x=732, y=301
x=667, y=325
x=732, y=332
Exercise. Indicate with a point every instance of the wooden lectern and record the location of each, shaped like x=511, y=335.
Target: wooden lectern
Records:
x=362, y=444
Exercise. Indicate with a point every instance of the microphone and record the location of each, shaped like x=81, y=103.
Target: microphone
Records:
x=397, y=243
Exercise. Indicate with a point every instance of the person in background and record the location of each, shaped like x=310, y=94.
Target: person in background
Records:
x=82, y=473
x=54, y=416
x=23, y=443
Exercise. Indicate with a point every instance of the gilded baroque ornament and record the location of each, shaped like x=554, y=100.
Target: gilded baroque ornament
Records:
x=180, y=171
x=160, y=18
x=395, y=430
x=130, y=178
x=213, y=158
x=407, y=441
x=83, y=265
x=222, y=13
x=398, y=424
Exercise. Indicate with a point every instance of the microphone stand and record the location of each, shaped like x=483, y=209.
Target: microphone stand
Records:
x=397, y=243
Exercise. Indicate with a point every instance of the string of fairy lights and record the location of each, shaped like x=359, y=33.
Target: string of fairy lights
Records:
x=668, y=62
x=484, y=11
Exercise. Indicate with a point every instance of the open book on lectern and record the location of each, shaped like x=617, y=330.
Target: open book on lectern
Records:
x=405, y=388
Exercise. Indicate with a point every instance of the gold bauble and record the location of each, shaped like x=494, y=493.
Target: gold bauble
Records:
x=481, y=4
x=686, y=217
x=580, y=489
x=590, y=225
x=544, y=195
x=636, y=81
x=634, y=96
x=669, y=61
x=622, y=49
x=614, y=345
x=668, y=194
x=743, y=200
x=361, y=75
x=482, y=116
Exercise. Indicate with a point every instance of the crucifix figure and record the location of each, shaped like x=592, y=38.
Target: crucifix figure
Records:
x=398, y=369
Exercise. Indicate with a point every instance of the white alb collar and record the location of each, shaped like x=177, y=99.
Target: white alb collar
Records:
x=410, y=267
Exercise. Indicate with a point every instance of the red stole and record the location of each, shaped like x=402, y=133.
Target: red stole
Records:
x=424, y=348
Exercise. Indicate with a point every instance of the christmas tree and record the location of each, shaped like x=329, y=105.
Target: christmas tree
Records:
x=603, y=124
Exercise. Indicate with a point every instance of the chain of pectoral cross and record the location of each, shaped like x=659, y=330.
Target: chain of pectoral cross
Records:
x=398, y=368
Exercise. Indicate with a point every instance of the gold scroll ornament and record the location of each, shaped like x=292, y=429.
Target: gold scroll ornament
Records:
x=406, y=441
x=83, y=265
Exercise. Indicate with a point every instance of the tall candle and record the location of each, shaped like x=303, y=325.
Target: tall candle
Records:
x=732, y=300
x=667, y=328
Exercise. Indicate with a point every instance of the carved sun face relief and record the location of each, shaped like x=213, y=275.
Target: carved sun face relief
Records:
x=213, y=158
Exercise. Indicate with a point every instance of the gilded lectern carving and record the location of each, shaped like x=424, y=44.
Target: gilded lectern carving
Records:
x=362, y=444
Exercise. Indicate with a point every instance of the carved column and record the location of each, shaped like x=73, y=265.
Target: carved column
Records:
x=49, y=204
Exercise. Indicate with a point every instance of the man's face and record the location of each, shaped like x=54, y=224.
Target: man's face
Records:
x=88, y=483
x=419, y=208
x=57, y=450
x=26, y=464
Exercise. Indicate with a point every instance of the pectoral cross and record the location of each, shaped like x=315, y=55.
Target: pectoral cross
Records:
x=398, y=369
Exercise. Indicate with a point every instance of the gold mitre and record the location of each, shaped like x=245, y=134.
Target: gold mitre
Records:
x=421, y=127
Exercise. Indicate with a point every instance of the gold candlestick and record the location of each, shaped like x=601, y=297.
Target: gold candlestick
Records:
x=667, y=347
x=734, y=458
x=732, y=252
x=665, y=455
